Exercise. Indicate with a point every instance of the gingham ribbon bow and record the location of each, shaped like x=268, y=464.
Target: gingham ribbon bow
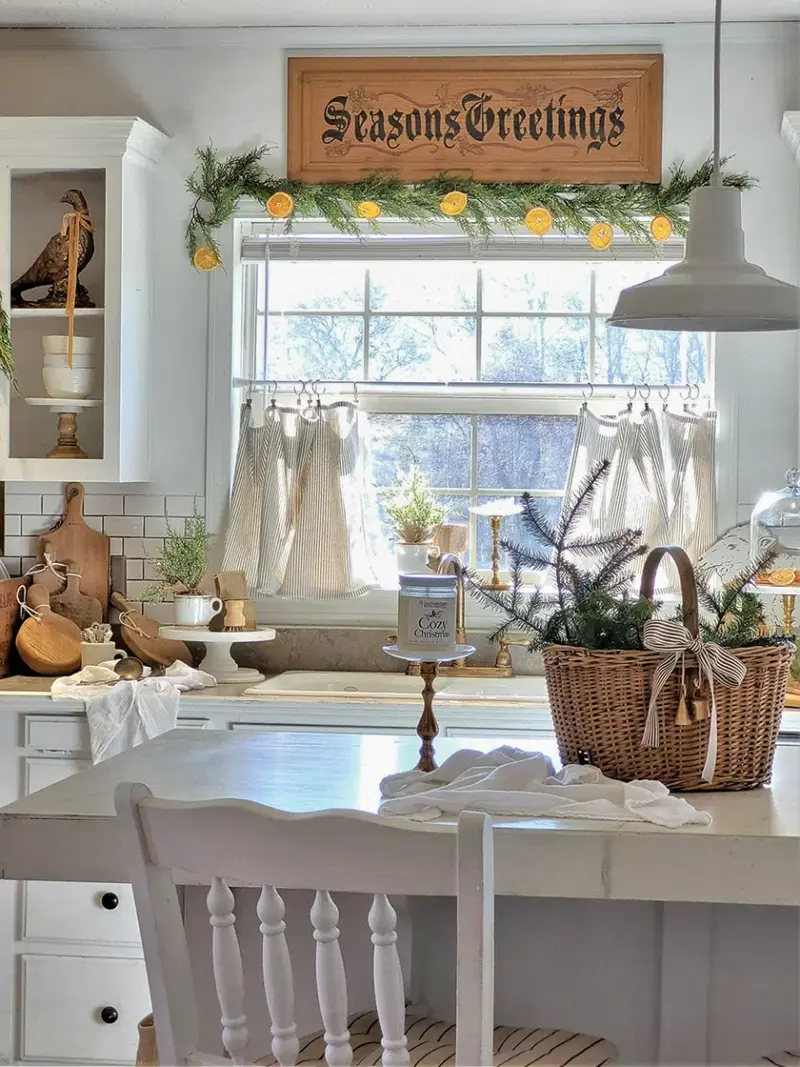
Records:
x=717, y=664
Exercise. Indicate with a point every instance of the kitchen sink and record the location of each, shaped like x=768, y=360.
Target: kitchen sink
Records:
x=391, y=687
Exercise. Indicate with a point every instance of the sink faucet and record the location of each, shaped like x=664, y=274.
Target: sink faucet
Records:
x=449, y=563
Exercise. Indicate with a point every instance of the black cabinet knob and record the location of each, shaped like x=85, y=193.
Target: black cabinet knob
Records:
x=109, y=1014
x=109, y=901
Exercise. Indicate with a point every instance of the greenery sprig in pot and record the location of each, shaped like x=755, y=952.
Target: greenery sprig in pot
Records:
x=416, y=515
x=691, y=697
x=181, y=566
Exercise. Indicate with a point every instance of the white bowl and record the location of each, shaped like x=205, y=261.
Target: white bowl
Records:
x=63, y=383
x=79, y=359
x=56, y=344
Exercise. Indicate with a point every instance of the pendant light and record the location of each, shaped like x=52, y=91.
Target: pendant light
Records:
x=714, y=287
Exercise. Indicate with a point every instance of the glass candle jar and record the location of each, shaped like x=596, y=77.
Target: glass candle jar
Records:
x=426, y=613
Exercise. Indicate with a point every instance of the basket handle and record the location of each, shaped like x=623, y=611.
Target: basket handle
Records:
x=687, y=579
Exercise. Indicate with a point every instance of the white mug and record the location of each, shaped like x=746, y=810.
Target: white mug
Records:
x=196, y=610
x=95, y=652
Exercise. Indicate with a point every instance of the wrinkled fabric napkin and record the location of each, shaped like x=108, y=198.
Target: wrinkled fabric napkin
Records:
x=129, y=712
x=509, y=781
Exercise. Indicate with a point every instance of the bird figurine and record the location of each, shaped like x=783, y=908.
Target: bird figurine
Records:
x=52, y=264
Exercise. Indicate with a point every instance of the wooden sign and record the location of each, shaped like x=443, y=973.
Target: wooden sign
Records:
x=583, y=118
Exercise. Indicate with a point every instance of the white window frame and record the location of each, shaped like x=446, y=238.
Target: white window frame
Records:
x=227, y=296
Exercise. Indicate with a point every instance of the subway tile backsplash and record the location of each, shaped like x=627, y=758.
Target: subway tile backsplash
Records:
x=136, y=524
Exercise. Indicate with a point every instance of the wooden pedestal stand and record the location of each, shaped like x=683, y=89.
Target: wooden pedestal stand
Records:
x=428, y=727
x=67, y=446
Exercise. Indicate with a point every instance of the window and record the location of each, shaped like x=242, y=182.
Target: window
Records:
x=474, y=368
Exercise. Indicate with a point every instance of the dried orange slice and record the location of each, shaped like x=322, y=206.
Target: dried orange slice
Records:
x=453, y=204
x=539, y=221
x=206, y=258
x=368, y=209
x=601, y=235
x=661, y=228
x=785, y=576
x=280, y=205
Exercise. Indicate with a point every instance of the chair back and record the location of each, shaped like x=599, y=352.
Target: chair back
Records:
x=224, y=842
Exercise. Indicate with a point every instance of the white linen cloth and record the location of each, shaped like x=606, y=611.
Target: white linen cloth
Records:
x=122, y=715
x=509, y=781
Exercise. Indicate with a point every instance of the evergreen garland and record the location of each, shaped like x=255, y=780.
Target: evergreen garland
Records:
x=218, y=186
x=6, y=358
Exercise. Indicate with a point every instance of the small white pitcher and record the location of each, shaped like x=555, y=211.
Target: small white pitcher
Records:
x=195, y=610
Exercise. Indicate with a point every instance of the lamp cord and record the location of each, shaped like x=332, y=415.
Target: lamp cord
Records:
x=717, y=179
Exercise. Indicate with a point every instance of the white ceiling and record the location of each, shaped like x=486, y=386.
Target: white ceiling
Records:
x=132, y=13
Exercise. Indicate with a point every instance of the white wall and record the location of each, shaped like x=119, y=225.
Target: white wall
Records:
x=230, y=86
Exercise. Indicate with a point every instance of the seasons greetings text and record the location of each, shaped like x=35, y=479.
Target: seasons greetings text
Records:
x=479, y=119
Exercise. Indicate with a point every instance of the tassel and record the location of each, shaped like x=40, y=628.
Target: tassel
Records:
x=682, y=716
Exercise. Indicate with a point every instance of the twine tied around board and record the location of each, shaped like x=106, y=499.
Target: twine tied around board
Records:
x=71, y=225
x=716, y=663
x=124, y=618
x=51, y=564
x=25, y=607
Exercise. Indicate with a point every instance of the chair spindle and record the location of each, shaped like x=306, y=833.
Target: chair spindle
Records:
x=228, y=975
x=388, y=982
x=278, y=978
x=331, y=983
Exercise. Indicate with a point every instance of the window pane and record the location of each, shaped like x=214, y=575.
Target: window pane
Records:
x=524, y=452
x=511, y=529
x=649, y=356
x=535, y=350
x=543, y=287
x=315, y=346
x=439, y=444
x=308, y=286
x=428, y=349
x=610, y=278
x=420, y=286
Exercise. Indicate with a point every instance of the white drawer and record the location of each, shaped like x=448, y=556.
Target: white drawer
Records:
x=62, y=1001
x=87, y=912
x=41, y=771
x=57, y=733
x=70, y=733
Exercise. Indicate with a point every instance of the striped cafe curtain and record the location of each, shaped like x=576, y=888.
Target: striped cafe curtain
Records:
x=303, y=517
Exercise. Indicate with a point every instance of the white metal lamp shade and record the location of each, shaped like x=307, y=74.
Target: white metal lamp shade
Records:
x=714, y=287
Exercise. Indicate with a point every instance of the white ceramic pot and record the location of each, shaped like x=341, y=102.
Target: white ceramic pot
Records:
x=82, y=360
x=412, y=559
x=192, y=610
x=68, y=383
x=56, y=344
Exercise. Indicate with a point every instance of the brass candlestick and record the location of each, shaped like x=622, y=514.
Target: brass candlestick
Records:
x=495, y=511
x=427, y=727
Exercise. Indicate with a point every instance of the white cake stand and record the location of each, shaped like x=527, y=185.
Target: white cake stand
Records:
x=428, y=727
x=218, y=660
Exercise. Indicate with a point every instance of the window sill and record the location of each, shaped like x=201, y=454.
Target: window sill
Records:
x=375, y=610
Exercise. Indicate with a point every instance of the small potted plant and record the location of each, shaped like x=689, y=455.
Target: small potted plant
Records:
x=416, y=515
x=181, y=566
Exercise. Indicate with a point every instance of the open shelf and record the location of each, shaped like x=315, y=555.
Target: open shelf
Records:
x=51, y=313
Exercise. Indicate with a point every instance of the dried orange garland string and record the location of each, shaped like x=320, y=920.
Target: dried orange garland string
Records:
x=71, y=225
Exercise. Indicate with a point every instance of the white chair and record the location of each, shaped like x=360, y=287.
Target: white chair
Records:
x=254, y=845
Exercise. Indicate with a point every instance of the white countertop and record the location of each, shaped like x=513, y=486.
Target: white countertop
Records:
x=749, y=854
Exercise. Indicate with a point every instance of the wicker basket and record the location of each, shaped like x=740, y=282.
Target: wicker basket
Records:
x=599, y=701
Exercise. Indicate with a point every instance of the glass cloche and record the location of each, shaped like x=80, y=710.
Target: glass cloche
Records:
x=775, y=523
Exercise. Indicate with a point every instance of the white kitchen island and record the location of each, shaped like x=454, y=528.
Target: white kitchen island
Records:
x=680, y=945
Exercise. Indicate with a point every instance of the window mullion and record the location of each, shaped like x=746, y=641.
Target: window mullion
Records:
x=367, y=308
x=592, y=321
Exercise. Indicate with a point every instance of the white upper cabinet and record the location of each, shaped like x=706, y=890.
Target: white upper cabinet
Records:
x=94, y=414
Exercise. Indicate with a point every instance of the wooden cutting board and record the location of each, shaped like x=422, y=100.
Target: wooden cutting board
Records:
x=89, y=550
x=151, y=649
x=52, y=644
x=9, y=620
x=73, y=605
